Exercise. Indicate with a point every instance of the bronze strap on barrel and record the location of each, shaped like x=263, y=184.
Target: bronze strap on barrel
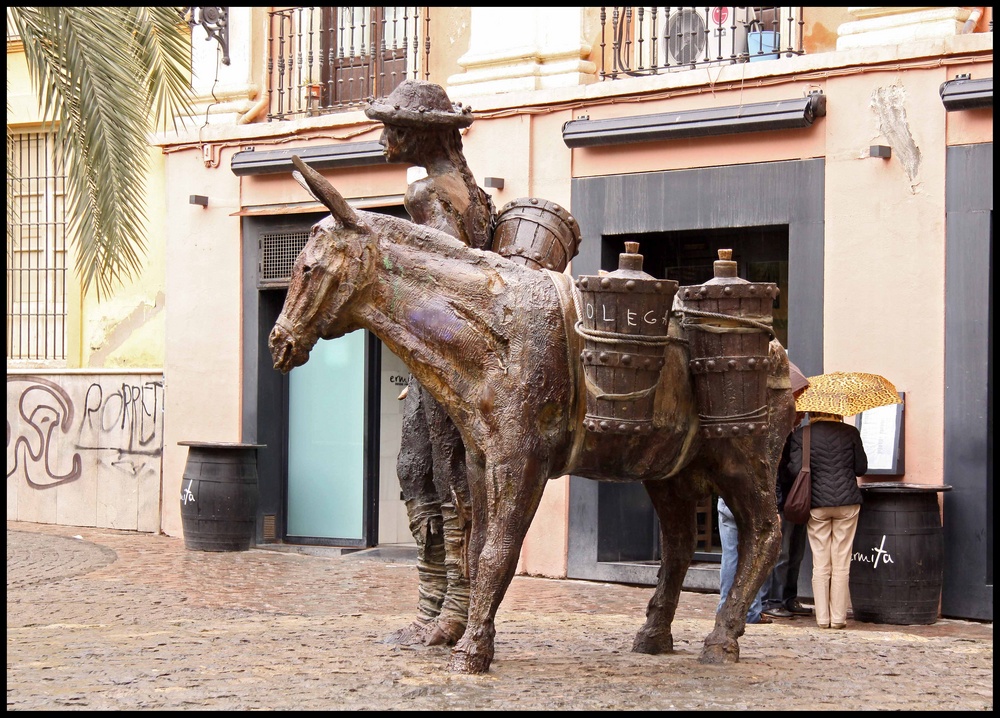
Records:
x=754, y=415
x=732, y=324
x=567, y=301
x=599, y=393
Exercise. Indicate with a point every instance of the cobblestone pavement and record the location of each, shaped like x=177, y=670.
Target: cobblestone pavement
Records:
x=102, y=619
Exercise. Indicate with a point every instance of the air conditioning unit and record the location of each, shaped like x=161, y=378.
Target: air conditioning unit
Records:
x=718, y=35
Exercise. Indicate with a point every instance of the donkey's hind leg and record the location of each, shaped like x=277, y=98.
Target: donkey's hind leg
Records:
x=674, y=501
x=750, y=496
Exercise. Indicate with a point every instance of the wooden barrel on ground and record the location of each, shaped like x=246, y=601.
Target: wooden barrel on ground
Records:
x=897, y=562
x=219, y=496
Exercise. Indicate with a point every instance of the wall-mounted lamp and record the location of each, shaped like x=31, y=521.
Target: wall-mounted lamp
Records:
x=882, y=151
x=198, y=199
x=493, y=182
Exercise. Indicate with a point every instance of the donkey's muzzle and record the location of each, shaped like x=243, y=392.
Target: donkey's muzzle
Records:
x=286, y=352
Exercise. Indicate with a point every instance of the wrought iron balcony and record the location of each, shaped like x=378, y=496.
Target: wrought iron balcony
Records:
x=325, y=59
x=638, y=41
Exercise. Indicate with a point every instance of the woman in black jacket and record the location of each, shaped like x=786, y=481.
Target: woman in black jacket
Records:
x=837, y=458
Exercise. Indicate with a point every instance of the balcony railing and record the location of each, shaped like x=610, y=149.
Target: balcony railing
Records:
x=637, y=41
x=325, y=59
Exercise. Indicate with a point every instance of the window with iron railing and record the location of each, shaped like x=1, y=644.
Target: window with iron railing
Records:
x=326, y=59
x=36, y=250
x=638, y=41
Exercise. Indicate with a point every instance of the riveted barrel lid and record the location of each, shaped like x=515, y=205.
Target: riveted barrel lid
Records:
x=727, y=285
x=629, y=276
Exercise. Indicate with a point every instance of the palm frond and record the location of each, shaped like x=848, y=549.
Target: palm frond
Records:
x=105, y=76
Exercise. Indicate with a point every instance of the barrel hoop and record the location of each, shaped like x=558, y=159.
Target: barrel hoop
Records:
x=926, y=531
x=728, y=363
x=626, y=360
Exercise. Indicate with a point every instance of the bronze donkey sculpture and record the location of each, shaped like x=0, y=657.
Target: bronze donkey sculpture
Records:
x=494, y=342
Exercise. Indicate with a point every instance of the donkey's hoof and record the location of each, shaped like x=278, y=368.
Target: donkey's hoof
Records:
x=719, y=653
x=469, y=661
x=653, y=643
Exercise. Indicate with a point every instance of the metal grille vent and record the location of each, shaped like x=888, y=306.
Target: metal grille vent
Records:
x=270, y=527
x=278, y=251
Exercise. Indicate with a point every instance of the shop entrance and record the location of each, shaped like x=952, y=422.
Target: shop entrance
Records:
x=331, y=427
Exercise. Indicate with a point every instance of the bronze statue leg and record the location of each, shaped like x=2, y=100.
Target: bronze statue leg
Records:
x=674, y=501
x=511, y=491
x=750, y=496
x=451, y=483
x=423, y=508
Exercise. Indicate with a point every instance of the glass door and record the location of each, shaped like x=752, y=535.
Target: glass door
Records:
x=326, y=448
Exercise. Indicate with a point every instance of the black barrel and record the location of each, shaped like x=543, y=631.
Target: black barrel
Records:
x=219, y=496
x=897, y=562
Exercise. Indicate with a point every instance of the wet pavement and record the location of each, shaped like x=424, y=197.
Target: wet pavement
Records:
x=102, y=619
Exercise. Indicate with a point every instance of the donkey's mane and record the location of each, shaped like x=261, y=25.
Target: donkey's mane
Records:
x=430, y=239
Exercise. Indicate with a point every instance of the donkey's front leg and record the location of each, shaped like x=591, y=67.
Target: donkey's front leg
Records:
x=510, y=492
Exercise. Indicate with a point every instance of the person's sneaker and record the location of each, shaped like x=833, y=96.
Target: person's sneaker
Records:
x=797, y=609
x=777, y=612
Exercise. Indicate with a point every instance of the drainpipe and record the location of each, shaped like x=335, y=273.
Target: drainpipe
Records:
x=251, y=114
x=974, y=16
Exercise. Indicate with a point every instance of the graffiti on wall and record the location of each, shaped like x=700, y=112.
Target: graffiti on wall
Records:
x=102, y=434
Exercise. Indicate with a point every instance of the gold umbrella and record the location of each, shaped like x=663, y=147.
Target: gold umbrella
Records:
x=846, y=393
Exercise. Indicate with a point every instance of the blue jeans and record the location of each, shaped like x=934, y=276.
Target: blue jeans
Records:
x=729, y=536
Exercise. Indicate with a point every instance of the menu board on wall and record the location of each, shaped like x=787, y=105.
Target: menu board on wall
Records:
x=882, y=434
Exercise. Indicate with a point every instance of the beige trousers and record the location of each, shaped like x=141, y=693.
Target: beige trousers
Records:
x=831, y=537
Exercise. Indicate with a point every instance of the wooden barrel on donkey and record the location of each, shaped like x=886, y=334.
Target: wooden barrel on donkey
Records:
x=623, y=321
x=727, y=321
x=536, y=233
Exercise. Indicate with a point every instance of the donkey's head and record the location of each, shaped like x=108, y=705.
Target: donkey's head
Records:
x=334, y=264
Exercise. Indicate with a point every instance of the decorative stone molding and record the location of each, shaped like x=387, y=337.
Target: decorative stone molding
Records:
x=879, y=26
x=552, y=53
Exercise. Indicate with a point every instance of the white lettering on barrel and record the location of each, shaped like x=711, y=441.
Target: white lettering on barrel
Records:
x=604, y=308
x=590, y=311
x=186, y=494
x=645, y=318
x=878, y=555
x=630, y=316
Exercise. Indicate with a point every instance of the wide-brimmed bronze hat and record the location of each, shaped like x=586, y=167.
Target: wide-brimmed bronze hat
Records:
x=847, y=393
x=417, y=103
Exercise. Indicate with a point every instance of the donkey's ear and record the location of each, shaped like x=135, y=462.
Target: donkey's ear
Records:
x=297, y=176
x=321, y=189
